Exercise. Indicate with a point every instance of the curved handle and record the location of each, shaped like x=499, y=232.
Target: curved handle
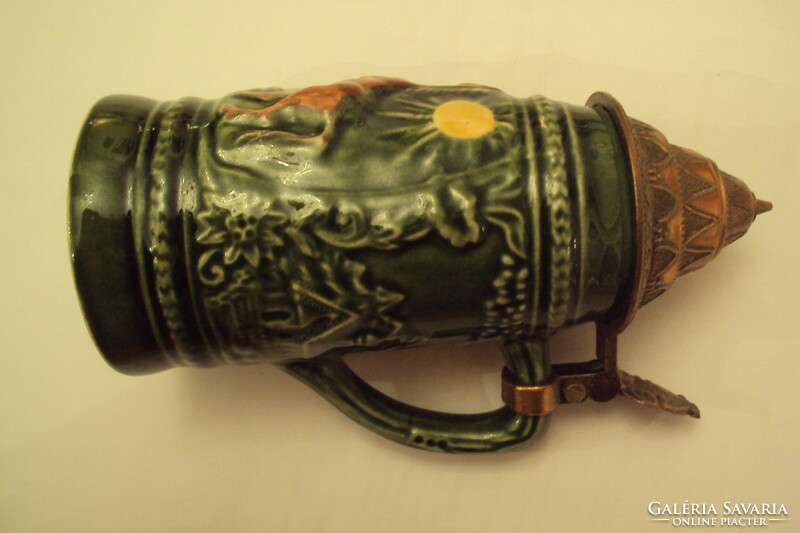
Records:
x=421, y=428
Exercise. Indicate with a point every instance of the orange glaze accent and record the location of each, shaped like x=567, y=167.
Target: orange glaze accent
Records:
x=326, y=98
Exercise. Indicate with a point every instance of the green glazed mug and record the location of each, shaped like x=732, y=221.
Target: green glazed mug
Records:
x=298, y=226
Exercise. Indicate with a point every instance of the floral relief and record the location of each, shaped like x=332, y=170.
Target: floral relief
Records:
x=241, y=236
x=267, y=280
x=366, y=164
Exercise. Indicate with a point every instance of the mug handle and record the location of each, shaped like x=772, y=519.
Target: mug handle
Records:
x=527, y=361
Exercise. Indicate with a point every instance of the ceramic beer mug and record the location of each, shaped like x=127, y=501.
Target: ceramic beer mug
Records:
x=296, y=227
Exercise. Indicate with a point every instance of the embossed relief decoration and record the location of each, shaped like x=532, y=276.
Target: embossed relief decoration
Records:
x=266, y=280
x=685, y=193
x=654, y=396
x=294, y=184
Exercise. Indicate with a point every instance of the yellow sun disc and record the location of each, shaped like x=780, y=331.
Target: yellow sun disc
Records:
x=460, y=118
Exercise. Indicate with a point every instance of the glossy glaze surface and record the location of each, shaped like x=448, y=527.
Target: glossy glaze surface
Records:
x=367, y=214
x=299, y=226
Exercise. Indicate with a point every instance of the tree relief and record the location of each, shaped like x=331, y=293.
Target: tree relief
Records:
x=388, y=161
x=295, y=183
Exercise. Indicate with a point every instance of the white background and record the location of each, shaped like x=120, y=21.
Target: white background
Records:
x=249, y=449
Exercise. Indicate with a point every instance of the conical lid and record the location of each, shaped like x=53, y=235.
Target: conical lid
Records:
x=687, y=209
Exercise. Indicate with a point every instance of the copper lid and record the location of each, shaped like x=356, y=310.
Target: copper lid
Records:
x=686, y=208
